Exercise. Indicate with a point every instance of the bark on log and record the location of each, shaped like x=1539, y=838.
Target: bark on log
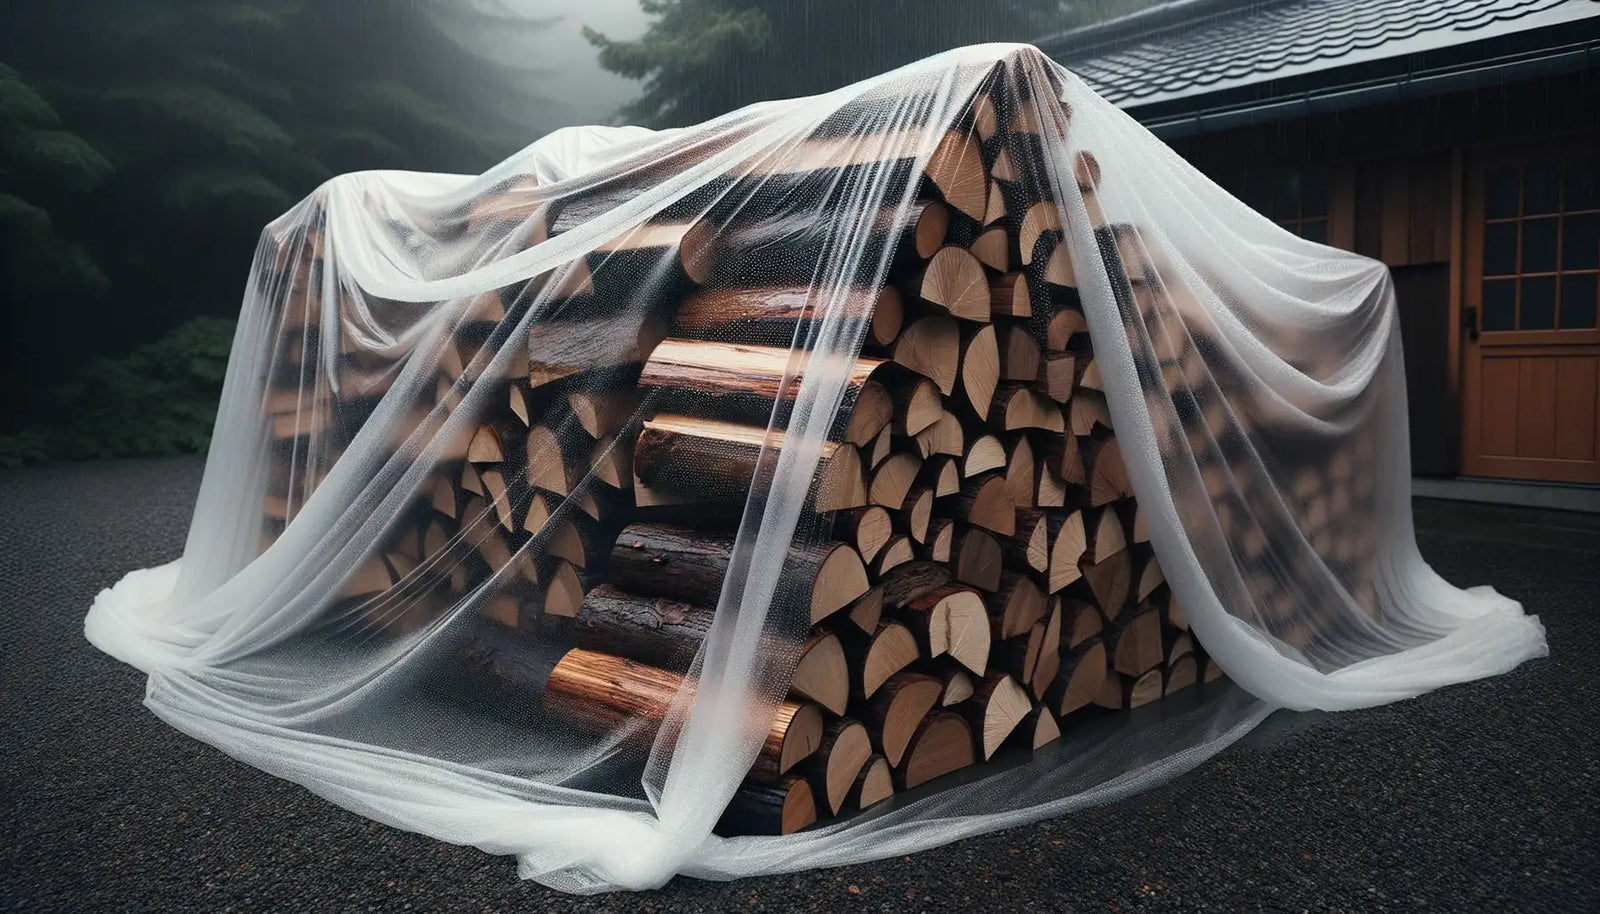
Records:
x=689, y=565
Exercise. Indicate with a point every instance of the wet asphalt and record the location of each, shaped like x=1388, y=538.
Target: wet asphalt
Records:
x=1482, y=797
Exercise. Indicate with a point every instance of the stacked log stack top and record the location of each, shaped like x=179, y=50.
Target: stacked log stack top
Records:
x=983, y=575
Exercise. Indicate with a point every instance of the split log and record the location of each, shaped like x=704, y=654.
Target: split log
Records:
x=1017, y=406
x=832, y=770
x=689, y=565
x=1018, y=352
x=1067, y=545
x=1021, y=472
x=898, y=708
x=1015, y=607
x=1081, y=679
x=1108, y=476
x=866, y=611
x=915, y=513
x=898, y=551
x=1138, y=691
x=941, y=540
x=917, y=404
x=977, y=558
x=983, y=453
x=780, y=808
x=867, y=528
x=873, y=784
x=1135, y=644
x=873, y=658
x=931, y=347
x=1180, y=675
x=951, y=620
x=1009, y=297
x=944, y=436
x=979, y=366
x=1080, y=622
x=1108, y=582
x=893, y=479
x=993, y=711
x=953, y=281
x=941, y=744
x=1028, y=548
x=983, y=501
x=1055, y=376
x=1037, y=730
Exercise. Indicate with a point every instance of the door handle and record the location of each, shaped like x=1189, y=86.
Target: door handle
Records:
x=1469, y=321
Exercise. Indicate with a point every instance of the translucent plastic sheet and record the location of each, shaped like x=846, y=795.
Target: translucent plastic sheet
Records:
x=956, y=374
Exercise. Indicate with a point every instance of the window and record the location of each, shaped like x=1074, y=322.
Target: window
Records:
x=1296, y=200
x=1541, y=245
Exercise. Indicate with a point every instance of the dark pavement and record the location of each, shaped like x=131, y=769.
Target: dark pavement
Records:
x=1483, y=797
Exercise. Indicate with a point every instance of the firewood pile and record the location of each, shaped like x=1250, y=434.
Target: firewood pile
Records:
x=984, y=575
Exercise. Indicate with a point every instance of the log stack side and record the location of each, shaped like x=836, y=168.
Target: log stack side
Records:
x=984, y=575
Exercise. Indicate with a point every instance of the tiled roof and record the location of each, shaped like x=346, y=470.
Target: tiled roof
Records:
x=1194, y=47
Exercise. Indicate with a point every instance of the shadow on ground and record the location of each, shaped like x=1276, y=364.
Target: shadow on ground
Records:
x=1482, y=797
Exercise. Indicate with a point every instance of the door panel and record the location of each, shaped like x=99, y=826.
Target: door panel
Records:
x=1531, y=363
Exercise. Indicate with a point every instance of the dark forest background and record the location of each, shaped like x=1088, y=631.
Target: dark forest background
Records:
x=144, y=144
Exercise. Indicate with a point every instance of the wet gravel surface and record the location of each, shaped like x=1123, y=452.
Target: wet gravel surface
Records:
x=1483, y=797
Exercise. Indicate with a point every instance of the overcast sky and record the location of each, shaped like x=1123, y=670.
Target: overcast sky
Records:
x=559, y=62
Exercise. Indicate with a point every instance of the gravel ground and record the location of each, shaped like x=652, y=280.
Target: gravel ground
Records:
x=1483, y=797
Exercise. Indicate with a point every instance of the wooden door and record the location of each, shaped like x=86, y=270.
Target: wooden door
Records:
x=1531, y=391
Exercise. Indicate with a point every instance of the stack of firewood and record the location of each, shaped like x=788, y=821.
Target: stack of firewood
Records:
x=983, y=572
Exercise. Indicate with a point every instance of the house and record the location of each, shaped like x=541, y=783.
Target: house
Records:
x=1458, y=142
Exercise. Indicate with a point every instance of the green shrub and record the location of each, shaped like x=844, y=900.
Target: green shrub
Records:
x=158, y=400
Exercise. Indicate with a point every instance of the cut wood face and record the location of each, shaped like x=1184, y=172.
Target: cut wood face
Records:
x=875, y=783
x=1020, y=603
x=893, y=479
x=944, y=437
x=961, y=629
x=1082, y=680
x=1033, y=536
x=799, y=807
x=822, y=674
x=1041, y=217
x=954, y=280
x=1019, y=408
x=941, y=533
x=897, y=552
x=1007, y=705
x=1045, y=729
x=986, y=502
x=942, y=744
x=1064, y=324
x=993, y=249
x=1066, y=551
x=802, y=733
x=979, y=559
x=869, y=528
x=893, y=649
x=917, y=405
x=956, y=168
x=871, y=411
x=904, y=701
x=841, y=578
x=1019, y=354
x=958, y=687
x=888, y=316
x=1084, y=624
x=1109, y=581
x=985, y=453
x=931, y=347
x=1145, y=689
x=867, y=610
x=1110, y=479
x=980, y=365
x=850, y=750
x=1139, y=648
x=917, y=511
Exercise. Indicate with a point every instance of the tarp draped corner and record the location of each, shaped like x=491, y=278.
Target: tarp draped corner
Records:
x=431, y=426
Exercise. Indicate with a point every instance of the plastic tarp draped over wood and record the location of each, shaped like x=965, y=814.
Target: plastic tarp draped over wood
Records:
x=452, y=402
